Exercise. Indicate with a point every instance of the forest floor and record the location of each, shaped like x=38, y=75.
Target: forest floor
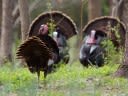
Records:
x=68, y=80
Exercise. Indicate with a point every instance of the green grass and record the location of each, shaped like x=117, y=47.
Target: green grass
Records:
x=68, y=80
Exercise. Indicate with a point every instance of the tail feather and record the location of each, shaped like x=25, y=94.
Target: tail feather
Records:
x=36, y=52
x=33, y=46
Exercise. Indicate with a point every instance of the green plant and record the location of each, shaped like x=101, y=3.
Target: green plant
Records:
x=112, y=54
x=51, y=25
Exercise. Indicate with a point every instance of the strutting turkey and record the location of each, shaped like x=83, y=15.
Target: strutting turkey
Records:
x=64, y=26
x=40, y=51
x=94, y=32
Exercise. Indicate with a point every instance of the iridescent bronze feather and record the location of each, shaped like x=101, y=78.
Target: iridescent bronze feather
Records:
x=36, y=54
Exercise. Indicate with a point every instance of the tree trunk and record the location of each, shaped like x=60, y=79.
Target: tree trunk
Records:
x=94, y=9
x=24, y=17
x=123, y=69
x=116, y=7
x=110, y=2
x=0, y=14
x=6, y=34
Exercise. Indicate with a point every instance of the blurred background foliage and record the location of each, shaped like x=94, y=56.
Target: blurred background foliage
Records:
x=72, y=8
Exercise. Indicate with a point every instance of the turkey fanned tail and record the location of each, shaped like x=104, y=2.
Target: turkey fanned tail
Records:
x=36, y=54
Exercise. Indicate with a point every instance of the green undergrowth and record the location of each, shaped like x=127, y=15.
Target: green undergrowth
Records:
x=68, y=80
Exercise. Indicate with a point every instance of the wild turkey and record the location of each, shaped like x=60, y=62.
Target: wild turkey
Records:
x=61, y=41
x=66, y=26
x=40, y=51
x=94, y=32
x=37, y=51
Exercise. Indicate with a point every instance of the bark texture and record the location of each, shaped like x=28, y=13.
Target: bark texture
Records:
x=6, y=34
